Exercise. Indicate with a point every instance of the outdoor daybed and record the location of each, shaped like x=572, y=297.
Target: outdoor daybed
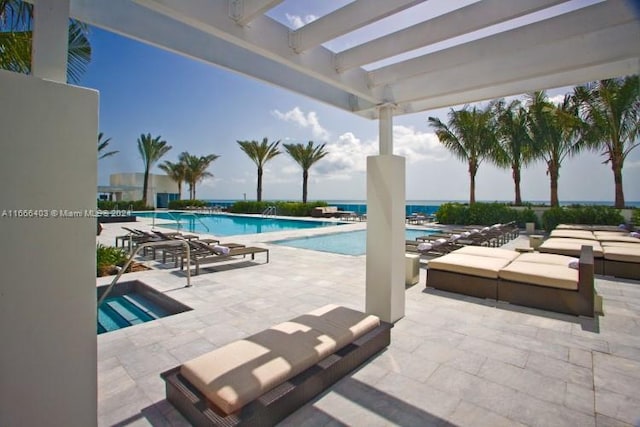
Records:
x=545, y=281
x=262, y=379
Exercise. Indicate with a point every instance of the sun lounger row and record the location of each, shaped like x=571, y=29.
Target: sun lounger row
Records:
x=545, y=281
x=263, y=378
x=616, y=253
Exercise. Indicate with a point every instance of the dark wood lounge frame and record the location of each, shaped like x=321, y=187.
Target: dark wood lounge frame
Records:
x=579, y=303
x=576, y=302
x=275, y=405
x=625, y=270
x=208, y=259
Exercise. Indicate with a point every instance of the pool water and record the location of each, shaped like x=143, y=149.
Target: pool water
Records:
x=230, y=225
x=131, y=303
x=121, y=311
x=348, y=243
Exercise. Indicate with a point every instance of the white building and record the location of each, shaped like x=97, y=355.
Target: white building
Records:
x=127, y=187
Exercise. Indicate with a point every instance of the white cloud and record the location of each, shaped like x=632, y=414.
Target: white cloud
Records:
x=310, y=120
x=297, y=21
x=555, y=100
x=416, y=145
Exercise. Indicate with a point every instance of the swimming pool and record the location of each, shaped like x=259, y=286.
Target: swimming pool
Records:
x=230, y=225
x=347, y=243
x=132, y=303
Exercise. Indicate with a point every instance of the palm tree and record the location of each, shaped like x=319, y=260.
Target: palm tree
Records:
x=514, y=148
x=260, y=153
x=16, y=19
x=102, y=145
x=176, y=172
x=305, y=156
x=470, y=136
x=151, y=150
x=554, y=132
x=610, y=110
x=196, y=169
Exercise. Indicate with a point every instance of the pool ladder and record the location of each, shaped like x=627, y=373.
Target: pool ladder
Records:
x=146, y=245
x=177, y=220
x=270, y=210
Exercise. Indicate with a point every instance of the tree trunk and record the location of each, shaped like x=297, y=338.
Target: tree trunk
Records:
x=145, y=186
x=191, y=191
x=179, y=190
x=617, y=178
x=259, y=191
x=473, y=169
x=305, y=179
x=554, y=174
x=516, y=182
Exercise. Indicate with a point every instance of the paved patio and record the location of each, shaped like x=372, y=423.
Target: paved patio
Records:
x=453, y=360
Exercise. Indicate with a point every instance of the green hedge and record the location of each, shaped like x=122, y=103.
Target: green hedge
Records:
x=184, y=204
x=136, y=205
x=484, y=214
x=282, y=207
x=635, y=217
x=595, y=215
x=108, y=256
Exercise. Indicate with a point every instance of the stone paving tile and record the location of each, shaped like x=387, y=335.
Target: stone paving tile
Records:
x=496, y=351
x=604, y=421
x=146, y=360
x=192, y=349
x=554, y=368
x=618, y=406
x=581, y=357
x=580, y=398
x=468, y=414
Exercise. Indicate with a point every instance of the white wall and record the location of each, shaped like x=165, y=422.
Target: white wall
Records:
x=48, y=354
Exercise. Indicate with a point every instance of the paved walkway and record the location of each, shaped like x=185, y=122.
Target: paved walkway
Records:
x=453, y=360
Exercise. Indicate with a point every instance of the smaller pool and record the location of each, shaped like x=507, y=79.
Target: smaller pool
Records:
x=347, y=243
x=132, y=303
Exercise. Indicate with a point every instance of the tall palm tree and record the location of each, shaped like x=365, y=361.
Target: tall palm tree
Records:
x=260, y=153
x=305, y=156
x=554, y=132
x=470, y=136
x=16, y=22
x=514, y=148
x=196, y=169
x=176, y=172
x=102, y=145
x=151, y=150
x=610, y=110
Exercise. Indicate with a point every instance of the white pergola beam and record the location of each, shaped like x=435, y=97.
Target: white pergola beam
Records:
x=264, y=37
x=137, y=22
x=245, y=11
x=456, y=23
x=354, y=15
x=572, y=77
x=572, y=24
x=599, y=47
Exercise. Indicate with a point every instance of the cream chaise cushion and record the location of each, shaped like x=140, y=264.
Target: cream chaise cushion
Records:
x=573, y=234
x=623, y=238
x=543, y=258
x=570, y=247
x=474, y=265
x=620, y=244
x=488, y=252
x=549, y=275
x=239, y=372
x=622, y=253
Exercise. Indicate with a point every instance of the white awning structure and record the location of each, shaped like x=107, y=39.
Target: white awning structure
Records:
x=471, y=52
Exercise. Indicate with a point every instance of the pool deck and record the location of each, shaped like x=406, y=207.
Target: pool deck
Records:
x=453, y=360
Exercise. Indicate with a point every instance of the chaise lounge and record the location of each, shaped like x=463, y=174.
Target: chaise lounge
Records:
x=545, y=281
x=207, y=254
x=262, y=379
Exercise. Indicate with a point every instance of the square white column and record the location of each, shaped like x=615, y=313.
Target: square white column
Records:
x=50, y=39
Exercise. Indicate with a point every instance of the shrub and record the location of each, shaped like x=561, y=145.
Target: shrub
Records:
x=135, y=205
x=107, y=257
x=484, y=214
x=184, y=204
x=596, y=215
x=635, y=217
x=282, y=207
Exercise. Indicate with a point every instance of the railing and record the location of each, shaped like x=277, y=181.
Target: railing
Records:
x=145, y=245
x=178, y=219
x=270, y=210
x=190, y=214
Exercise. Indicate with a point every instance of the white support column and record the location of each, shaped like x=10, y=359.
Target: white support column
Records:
x=385, y=285
x=50, y=39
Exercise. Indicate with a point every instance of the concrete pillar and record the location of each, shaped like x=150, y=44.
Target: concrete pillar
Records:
x=48, y=355
x=385, y=282
x=50, y=39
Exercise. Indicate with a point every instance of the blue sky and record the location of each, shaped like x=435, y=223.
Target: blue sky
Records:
x=203, y=109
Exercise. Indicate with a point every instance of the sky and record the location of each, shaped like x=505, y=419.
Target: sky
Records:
x=204, y=109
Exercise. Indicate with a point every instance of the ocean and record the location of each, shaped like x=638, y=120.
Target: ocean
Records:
x=426, y=207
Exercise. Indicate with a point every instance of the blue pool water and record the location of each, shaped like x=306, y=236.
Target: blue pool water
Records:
x=230, y=225
x=348, y=243
x=120, y=311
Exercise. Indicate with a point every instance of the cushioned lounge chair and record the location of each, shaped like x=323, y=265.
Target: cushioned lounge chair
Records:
x=536, y=280
x=262, y=379
x=573, y=248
